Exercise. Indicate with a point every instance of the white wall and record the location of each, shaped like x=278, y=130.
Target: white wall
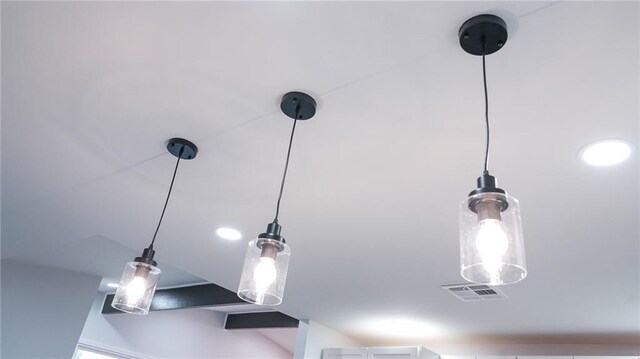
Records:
x=187, y=333
x=313, y=337
x=43, y=309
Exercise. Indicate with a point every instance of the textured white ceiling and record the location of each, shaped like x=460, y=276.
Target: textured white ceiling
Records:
x=92, y=90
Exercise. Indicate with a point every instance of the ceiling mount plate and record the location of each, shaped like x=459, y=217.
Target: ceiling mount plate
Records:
x=182, y=148
x=298, y=105
x=490, y=28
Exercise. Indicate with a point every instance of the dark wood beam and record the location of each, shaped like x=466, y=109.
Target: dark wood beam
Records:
x=202, y=295
x=259, y=321
x=211, y=295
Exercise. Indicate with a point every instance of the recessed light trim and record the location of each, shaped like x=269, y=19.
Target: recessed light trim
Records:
x=606, y=152
x=229, y=233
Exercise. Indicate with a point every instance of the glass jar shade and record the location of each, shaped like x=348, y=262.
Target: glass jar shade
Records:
x=264, y=272
x=137, y=286
x=491, y=243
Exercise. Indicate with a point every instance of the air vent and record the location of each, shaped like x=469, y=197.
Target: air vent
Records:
x=474, y=292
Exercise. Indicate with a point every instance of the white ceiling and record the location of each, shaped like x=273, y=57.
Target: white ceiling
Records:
x=92, y=90
x=99, y=256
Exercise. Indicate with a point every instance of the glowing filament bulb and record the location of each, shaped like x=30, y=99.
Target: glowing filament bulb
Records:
x=136, y=289
x=265, y=273
x=492, y=243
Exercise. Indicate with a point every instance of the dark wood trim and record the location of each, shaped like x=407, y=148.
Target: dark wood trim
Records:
x=202, y=295
x=259, y=320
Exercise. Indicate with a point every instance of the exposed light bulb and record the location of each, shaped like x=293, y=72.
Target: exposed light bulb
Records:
x=136, y=289
x=137, y=286
x=492, y=243
x=265, y=273
x=265, y=269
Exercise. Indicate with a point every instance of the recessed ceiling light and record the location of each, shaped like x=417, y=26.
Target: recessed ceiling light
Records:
x=229, y=233
x=113, y=285
x=606, y=152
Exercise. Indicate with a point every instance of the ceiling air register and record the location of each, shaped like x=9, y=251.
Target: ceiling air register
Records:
x=491, y=243
x=140, y=277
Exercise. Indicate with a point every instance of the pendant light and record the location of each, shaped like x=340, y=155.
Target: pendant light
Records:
x=267, y=259
x=140, y=277
x=491, y=243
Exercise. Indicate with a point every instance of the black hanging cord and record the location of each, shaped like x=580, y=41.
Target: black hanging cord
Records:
x=167, y=200
x=486, y=110
x=286, y=166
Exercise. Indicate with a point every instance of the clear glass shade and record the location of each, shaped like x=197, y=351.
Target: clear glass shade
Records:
x=264, y=272
x=137, y=286
x=491, y=244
